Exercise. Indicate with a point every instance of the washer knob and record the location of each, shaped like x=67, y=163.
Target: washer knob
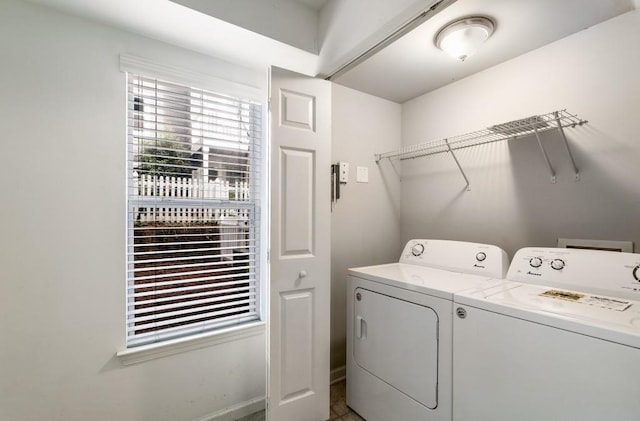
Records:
x=417, y=249
x=535, y=262
x=636, y=273
x=481, y=256
x=557, y=264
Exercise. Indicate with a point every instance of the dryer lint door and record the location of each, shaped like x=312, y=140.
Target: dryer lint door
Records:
x=397, y=341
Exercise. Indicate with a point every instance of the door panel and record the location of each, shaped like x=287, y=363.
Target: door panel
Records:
x=397, y=341
x=296, y=344
x=297, y=110
x=298, y=385
x=297, y=201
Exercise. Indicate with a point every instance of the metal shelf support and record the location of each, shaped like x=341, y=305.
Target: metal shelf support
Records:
x=546, y=157
x=458, y=164
x=566, y=144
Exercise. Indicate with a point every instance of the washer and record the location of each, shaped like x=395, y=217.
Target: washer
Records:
x=559, y=340
x=399, y=334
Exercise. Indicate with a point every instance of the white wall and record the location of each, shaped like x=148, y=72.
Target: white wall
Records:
x=365, y=222
x=512, y=203
x=62, y=225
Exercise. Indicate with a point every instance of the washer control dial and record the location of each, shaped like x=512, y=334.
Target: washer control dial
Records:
x=636, y=273
x=417, y=249
x=480, y=257
x=557, y=264
x=535, y=262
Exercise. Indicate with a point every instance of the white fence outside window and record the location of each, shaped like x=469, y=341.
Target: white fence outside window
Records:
x=147, y=185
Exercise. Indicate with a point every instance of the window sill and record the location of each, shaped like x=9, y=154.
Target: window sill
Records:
x=152, y=351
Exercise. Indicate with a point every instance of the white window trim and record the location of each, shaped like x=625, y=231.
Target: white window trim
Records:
x=153, y=351
x=135, y=355
x=143, y=66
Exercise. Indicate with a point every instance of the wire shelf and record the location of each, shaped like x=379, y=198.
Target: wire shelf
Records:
x=504, y=131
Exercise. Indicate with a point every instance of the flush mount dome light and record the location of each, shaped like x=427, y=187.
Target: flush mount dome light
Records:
x=463, y=37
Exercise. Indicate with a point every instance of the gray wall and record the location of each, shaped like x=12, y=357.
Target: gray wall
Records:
x=512, y=202
x=62, y=225
x=365, y=222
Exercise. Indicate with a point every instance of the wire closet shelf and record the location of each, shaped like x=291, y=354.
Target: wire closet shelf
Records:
x=533, y=125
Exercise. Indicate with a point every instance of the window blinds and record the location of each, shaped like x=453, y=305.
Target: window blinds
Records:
x=193, y=210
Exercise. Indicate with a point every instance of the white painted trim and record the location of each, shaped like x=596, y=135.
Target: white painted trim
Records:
x=143, y=66
x=152, y=351
x=338, y=374
x=236, y=411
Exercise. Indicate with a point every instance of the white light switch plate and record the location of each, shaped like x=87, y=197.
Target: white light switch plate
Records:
x=362, y=174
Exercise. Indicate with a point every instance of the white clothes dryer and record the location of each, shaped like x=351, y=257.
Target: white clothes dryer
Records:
x=559, y=340
x=399, y=325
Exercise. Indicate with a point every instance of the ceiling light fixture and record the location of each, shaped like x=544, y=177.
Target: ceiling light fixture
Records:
x=463, y=37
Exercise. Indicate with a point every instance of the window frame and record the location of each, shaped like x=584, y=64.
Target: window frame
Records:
x=189, y=78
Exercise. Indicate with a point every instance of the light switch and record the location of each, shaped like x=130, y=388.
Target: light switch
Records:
x=362, y=174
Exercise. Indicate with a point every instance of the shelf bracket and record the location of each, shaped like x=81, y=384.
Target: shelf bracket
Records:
x=544, y=153
x=566, y=144
x=458, y=164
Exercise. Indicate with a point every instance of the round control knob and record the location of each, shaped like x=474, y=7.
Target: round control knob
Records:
x=557, y=264
x=535, y=262
x=481, y=256
x=636, y=273
x=417, y=249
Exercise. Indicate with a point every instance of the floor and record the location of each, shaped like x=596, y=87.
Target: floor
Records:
x=339, y=411
x=338, y=404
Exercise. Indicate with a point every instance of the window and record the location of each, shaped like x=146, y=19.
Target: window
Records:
x=193, y=210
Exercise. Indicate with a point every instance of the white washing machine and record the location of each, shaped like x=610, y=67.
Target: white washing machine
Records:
x=399, y=324
x=559, y=341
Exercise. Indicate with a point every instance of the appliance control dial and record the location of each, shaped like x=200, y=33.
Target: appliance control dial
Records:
x=417, y=249
x=557, y=264
x=636, y=273
x=535, y=262
x=481, y=256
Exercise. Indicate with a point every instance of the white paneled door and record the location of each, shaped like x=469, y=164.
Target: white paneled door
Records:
x=298, y=388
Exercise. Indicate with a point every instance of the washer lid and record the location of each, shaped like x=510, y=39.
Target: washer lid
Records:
x=611, y=318
x=437, y=282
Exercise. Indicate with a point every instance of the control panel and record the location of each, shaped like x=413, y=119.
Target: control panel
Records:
x=457, y=256
x=601, y=272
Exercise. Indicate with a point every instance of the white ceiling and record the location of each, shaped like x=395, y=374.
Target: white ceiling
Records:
x=412, y=65
x=407, y=68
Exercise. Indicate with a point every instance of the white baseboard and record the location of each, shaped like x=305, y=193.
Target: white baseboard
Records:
x=338, y=374
x=258, y=404
x=236, y=411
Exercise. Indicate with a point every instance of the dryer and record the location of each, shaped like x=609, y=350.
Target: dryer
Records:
x=399, y=334
x=559, y=340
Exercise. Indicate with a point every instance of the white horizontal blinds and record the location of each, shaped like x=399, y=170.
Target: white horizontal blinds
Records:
x=193, y=210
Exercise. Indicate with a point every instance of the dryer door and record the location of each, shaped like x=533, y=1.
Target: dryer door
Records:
x=397, y=341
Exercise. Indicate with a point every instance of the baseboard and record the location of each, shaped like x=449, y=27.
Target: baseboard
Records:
x=236, y=411
x=258, y=404
x=338, y=374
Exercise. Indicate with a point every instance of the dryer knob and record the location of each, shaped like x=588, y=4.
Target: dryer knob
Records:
x=557, y=264
x=636, y=273
x=481, y=256
x=535, y=262
x=417, y=249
